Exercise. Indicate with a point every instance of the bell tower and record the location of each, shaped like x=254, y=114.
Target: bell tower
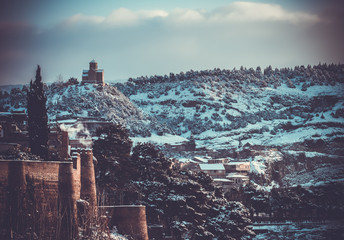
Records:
x=93, y=65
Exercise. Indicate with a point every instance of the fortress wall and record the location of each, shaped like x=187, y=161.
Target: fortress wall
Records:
x=45, y=190
x=88, y=182
x=77, y=174
x=129, y=220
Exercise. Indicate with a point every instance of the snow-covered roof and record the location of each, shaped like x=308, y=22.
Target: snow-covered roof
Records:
x=236, y=175
x=85, y=71
x=215, y=166
x=221, y=180
x=199, y=159
x=100, y=70
x=237, y=163
x=93, y=61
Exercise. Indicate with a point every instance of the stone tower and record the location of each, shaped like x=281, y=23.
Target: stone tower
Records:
x=93, y=75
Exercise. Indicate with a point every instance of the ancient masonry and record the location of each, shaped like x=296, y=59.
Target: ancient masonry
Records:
x=93, y=75
x=55, y=198
x=43, y=194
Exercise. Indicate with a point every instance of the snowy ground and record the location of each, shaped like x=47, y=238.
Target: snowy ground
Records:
x=333, y=230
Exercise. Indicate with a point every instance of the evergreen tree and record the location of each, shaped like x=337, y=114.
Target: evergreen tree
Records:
x=187, y=203
x=37, y=116
x=112, y=150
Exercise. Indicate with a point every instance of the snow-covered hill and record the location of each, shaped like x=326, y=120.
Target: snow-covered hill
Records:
x=285, y=120
x=296, y=111
x=91, y=102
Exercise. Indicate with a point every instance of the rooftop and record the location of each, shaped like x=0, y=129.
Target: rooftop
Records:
x=216, y=166
x=221, y=180
x=236, y=175
x=237, y=163
x=199, y=159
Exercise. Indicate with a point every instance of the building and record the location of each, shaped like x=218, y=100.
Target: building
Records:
x=225, y=183
x=40, y=195
x=93, y=75
x=201, y=160
x=242, y=167
x=13, y=130
x=214, y=170
x=219, y=160
x=237, y=180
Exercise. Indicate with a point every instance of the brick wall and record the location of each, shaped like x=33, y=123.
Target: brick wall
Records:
x=40, y=196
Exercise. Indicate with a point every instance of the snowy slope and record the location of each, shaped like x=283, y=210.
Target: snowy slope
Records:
x=91, y=102
x=227, y=111
x=230, y=113
x=299, y=109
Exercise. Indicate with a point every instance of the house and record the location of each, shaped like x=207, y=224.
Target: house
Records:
x=13, y=130
x=237, y=180
x=219, y=160
x=93, y=74
x=226, y=184
x=216, y=170
x=200, y=159
x=242, y=167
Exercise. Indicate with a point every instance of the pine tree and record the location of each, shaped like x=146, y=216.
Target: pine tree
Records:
x=37, y=116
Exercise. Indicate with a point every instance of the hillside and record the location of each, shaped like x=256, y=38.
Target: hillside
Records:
x=67, y=101
x=295, y=115
x=285, y=121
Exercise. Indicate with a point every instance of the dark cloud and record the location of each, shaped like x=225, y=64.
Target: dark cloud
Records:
x=15, y=46
x=329, y=34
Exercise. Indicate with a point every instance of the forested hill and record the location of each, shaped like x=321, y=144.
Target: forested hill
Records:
x=288, y=123
x=225, y=108
x=298, y=112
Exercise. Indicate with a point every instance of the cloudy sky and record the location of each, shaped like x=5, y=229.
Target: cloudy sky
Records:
x=130, y=38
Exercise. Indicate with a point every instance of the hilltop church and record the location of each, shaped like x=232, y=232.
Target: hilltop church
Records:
x=93, y=75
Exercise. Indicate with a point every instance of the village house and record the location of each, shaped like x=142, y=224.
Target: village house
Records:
x=225, y=173
x=13, y=130
x=241, y=167
x=201, y=159
x=225, y=183
x=219, y=160
x=237, y=180
x=216, y=170
x=93, y=74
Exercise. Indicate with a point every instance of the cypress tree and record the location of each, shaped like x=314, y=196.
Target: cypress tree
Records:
x=37, y=117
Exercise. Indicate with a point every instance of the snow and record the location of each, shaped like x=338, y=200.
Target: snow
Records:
x=236, y=175
x=312, y=154
x=237, y=163
x=160, y=140
x=116, y=236
x=200, y=159
x=214, y=166
x=298, y=135
x=266, y=188
x=257, y=167
x=258, y=164
x=298, y=230
x=75, y=129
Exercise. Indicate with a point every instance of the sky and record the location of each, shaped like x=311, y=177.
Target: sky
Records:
x=132, y=38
